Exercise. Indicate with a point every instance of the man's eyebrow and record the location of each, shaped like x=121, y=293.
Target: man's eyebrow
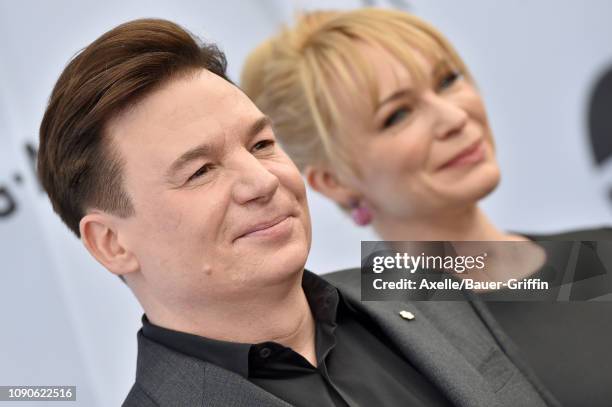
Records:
x=258, y=126
x=188, y=156
x=204, y=149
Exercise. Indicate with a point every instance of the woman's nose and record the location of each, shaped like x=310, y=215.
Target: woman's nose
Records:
x=449, y=118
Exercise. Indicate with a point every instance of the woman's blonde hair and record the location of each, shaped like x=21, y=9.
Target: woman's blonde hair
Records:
x=294, y=77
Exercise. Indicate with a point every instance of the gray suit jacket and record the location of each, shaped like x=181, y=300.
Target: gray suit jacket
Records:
x=456, y=345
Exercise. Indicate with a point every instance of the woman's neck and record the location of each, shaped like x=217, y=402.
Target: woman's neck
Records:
x=468, y=223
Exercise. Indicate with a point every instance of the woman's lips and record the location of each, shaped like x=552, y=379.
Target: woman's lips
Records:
x=471, y=155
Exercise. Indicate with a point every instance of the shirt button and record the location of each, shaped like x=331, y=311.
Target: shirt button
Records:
x=265, y=352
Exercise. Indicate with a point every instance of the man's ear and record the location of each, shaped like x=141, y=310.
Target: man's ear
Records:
x=103, y=241
x=325, y=181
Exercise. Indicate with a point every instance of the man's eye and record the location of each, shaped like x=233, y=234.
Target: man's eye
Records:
x=201, y=171
x=449, y=80
x=396, y=117
x=263, y=144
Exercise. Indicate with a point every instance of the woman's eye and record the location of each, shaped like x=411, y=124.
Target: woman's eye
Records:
x=449, y=80
x=397, y=116
x=201, y=171
x=263, y=144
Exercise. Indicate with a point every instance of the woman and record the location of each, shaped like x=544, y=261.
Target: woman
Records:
x=382, y=116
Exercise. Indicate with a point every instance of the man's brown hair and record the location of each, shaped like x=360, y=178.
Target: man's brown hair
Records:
x=76, y=162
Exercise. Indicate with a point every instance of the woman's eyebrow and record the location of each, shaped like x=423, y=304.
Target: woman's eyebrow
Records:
x=439, y=67
x=398, y=94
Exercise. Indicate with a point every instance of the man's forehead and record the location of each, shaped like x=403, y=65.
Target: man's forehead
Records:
x=202, y=104
x=194, y=96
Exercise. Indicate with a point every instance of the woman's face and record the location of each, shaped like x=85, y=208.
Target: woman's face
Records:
x=427, y=146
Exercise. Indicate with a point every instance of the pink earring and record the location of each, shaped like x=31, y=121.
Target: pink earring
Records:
x=360, y=213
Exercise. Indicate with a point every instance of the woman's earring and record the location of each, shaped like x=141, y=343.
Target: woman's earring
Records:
x=360, y=213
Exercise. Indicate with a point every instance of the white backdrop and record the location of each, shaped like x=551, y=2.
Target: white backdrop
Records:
x=66, y=321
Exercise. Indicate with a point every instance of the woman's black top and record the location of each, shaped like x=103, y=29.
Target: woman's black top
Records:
x=568, y=344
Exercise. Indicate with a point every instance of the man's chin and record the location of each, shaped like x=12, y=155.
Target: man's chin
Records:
x=288, y=261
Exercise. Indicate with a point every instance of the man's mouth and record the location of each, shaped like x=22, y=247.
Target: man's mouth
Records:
x=269, y=227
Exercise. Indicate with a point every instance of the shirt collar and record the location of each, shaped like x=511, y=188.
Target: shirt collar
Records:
x=322, y=297
x=228, y=355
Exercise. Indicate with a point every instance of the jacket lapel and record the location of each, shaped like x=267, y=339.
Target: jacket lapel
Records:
x=423, y=345
x=173, y=379
x=224, y=388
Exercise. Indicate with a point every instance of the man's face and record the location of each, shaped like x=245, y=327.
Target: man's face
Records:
x=220, y=210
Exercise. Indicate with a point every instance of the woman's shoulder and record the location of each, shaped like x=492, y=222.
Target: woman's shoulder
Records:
x=600, y=233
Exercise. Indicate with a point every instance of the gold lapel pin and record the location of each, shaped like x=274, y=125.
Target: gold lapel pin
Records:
x=406, y=315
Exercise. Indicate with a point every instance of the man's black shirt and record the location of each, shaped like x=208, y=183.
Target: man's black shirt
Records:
x=357, y=364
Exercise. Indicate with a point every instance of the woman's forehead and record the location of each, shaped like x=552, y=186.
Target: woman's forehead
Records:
x=383, y=73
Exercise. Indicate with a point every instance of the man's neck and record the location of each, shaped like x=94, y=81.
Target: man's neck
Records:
x=280, y=315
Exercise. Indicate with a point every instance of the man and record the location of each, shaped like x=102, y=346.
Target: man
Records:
x=173, y=181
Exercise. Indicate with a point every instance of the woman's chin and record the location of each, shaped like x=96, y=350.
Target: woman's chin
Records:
x=473, y=186
x=489, y=181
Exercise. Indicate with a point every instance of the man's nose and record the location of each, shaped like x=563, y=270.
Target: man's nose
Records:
x=449, y=118
x=254, y=181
